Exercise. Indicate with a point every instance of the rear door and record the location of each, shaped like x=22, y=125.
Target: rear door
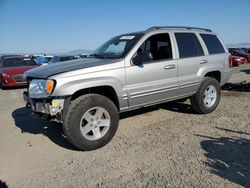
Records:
x=217, y=56
x=191, y=58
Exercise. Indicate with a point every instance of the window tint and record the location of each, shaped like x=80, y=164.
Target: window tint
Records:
x=18, y=62
x=159, y=45
x=213, y=44
x=67, y=58
x=199, y=50
x=29, y=62
x=188, y=45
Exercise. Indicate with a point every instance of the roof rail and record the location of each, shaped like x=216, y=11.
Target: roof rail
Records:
x=177, y=27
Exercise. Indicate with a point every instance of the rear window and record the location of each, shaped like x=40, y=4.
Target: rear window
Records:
x=188, y=45
x=18, y=62
x=213, y=44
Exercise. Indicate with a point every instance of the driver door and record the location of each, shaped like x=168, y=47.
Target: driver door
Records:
x=156, y=80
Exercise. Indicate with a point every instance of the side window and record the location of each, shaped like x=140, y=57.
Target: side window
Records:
x=199, y=50
x=67, y=58
x=159, y=45
x=213, y=44
x=188, y=45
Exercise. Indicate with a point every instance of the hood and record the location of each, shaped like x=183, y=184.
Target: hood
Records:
x=66, y=66
x=16, y=70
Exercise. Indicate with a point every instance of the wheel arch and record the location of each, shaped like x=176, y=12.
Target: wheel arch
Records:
x=214, y=74
x=106, y=90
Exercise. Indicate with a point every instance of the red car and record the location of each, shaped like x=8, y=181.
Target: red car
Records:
x=236, y=60
x=240, y=52
x=12, y=69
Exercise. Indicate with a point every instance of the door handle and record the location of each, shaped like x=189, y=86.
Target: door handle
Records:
x=203, y=61
x=169, y=67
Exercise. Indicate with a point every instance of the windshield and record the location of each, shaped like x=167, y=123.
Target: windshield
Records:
x=18, y=62
x=117, y=47
x=54, y=59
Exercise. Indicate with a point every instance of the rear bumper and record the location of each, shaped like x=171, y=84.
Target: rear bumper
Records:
x=51, y=107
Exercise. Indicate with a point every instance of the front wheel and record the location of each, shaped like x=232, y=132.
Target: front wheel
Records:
x=91, y=121
x=207, y=97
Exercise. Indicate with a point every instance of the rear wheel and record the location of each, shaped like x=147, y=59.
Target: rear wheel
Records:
x=91, y=121
x=207, y=97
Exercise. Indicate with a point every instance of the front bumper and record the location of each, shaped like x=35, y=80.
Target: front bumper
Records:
x=51, y=107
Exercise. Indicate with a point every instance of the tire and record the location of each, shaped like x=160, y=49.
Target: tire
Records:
x=200, y=103
x=81, y=126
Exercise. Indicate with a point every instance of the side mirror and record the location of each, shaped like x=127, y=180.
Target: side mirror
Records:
x=142, y=57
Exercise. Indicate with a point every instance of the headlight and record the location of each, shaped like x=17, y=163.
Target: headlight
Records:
x=5, y=75
x=41, y=88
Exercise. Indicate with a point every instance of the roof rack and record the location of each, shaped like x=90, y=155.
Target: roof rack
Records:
x=177, y=27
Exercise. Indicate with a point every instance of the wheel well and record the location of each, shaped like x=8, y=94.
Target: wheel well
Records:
x=106, y=91
x=215, y=74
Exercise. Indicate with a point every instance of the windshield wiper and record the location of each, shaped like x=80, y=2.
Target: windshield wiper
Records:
x=97, y=56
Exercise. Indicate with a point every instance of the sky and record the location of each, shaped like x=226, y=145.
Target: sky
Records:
x=53, y=26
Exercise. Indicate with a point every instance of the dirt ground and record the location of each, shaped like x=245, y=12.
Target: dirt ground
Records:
x=162, y=146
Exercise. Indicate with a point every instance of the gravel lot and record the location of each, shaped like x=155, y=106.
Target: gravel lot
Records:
x=165, y=145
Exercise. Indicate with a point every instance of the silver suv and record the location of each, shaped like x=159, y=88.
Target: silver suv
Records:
x=127, y=72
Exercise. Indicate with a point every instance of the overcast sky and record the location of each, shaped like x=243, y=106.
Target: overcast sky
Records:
x=59, y=26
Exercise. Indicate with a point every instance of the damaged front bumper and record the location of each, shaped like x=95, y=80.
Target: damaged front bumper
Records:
x=51, y=106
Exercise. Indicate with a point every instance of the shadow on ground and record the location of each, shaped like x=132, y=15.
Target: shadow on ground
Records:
x=247, y=71
x=35, y=125
x=228, y=158
x=13, y=87
x=240, y=86
x=29, y=124
x=174, y=106
x=3, y=184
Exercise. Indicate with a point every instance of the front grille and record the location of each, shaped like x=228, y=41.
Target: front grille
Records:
x=19, y=78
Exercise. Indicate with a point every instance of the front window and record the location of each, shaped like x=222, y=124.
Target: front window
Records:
x=158, y=45
x=117, y=47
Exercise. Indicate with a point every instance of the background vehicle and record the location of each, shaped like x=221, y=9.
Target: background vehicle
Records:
x=246, y=50
x=237, y=60
x=5, y=56
x=43, y=60
x=57, y=59
x=12, y=69
x=127, y=72
x=239, y=52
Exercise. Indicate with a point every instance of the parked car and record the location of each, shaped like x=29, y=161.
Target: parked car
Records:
x=12, y=70
x=83, y=55
x=130, y=71
x=240, y=53
x=237, y=60
x=57, y=59
x=43, y=60
x=5, y=56
x=246, y=50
